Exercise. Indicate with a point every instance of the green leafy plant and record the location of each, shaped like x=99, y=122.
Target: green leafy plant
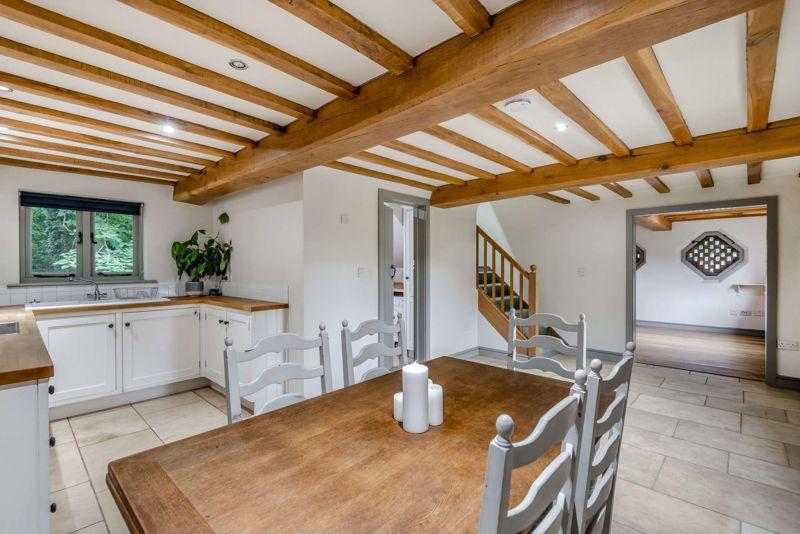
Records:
x=197, y=260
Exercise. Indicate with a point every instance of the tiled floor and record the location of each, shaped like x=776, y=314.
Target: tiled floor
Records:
x=706, y=454
x=701, y=453
x=85, y=445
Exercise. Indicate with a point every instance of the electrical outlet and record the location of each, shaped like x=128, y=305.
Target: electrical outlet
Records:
x=734, y=312
x=745, y=313
x=361, y=272
x=581, y=271
x=344, y=218
x=788, y=345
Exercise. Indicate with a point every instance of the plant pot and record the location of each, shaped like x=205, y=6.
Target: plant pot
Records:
x=194, y=289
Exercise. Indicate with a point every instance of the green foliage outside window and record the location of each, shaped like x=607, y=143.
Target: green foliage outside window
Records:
x=113, y=249
x=54, y=241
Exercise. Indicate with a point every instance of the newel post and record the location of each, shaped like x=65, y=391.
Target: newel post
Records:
x=533, y=305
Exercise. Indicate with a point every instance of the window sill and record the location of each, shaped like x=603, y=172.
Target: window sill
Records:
x=66, y=282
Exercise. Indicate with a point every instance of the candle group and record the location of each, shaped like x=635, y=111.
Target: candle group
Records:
x=435, y=405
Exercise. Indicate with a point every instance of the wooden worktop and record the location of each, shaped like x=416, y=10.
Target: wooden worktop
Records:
x=233, y=303
x=23, y=356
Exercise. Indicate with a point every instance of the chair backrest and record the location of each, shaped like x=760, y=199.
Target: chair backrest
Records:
x=275, y=374
x=547, y=506
x=601, y=436
x=380, y=351
x=543, y=341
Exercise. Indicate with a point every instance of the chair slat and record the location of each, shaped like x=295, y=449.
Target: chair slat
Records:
x=546, y=342
x=552, y=522
x=542, y=341
x=375, y=372
x=383, y=353
x=545, y=364
x=620, y=374
x=548, y=320
x=551, y=429
x=375, y=350
x=277, y=343
x=606, y=454
x=542, y=493
x=373, y=327
x=278, y=374
x=600, y=494
x=612, y=415
x=281, y=401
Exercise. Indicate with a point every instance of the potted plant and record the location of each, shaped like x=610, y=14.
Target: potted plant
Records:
x=202, y=260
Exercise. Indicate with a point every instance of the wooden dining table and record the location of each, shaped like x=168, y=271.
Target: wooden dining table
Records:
x=339, y=462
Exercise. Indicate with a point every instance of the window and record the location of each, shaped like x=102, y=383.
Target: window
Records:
x=88, y=238
x=641, y=256
x=713, y=255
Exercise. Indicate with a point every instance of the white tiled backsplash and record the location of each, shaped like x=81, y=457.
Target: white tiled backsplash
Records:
x=10, y=296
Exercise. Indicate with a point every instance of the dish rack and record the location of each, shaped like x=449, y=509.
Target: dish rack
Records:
x=127, y=293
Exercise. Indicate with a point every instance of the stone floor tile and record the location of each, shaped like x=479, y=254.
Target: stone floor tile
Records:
x=747, y=528
x=767, y=473
x=619, y=528
x=676, y=448
x=764, y=428
x=164, y=403
x=793, y=452
x=771, y=399
x=794, y=417
x=654, y=422
x=184, y=421
x=645, y=379
x=98, y=455
x=66, y=466
x=757, y=504
x=728, y=392
x=61, y=431
x=97, y=528
x=766, y=412
x=211, y=396
x=664, y=393
x=114, y=521
x=76, y=508
x=100, y=426
x=680, y=410
x=639, y=466
x=754, y=447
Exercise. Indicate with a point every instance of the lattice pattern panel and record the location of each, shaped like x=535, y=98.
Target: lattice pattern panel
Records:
x=713, y=255
x=641, y=256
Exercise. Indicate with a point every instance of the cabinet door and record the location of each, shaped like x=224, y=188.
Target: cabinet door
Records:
x=214, y=332
x=83, y=350
x=159, y=347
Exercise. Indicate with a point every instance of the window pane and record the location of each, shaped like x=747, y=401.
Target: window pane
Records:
x=54, y=241
x=113, y=248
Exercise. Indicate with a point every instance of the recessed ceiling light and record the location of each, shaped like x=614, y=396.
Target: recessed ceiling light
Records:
x=168, y=128
x=237, y=64
x=560, y=126
x=516, y=105
x=5, y=89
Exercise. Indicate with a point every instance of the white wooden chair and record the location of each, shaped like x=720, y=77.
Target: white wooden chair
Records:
x=601, y=435
x=546, y=320
x=547, y=506
x=275, y=374
x=380, y=351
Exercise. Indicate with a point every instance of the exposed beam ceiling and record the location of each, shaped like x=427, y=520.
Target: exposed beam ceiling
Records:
x=51, y=22
x=656, y=223
x=10, y=162
x=470, y=145
x=763, y=31
x=570, y=105
x=198, y=23
x=553, y=198
x=508, y=124
x=401, y=166
x=583, y=193
x=663, y=222
x=444, y=161
x=530, y=44
x=344, y=27
x=657, y=183
x=646, y=68
x=469, y=15
x=42, y=58
x=355, y=169
x=705, y=178
x=618, y=189
x=722, y=149
x=754, y=172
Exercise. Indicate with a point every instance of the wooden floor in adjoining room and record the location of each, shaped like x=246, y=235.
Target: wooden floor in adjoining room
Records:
x=741, y=356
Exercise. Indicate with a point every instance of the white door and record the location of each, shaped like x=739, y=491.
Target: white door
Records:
x=83, y=350
x=408, y=273
x=159, y=347
x=214, y=332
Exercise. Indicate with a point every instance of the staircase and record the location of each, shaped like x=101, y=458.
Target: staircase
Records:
x=503, y=284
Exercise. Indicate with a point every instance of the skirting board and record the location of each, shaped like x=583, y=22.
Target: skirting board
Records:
x=700, y=328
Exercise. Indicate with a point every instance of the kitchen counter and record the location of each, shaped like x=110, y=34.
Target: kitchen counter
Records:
x=233, y=303
x=23, y=356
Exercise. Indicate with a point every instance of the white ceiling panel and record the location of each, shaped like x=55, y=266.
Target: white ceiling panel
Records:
x=411, y=160
x=488, y=135
x=132, y=172
x=495, y=6
x=731, y=175
x=613, y=93
x=786, y=91
x=706, y=71
x=389, y=170
x=781, y=168
x=423, y=140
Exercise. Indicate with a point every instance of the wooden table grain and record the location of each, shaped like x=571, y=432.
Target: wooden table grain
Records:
x=339, y=462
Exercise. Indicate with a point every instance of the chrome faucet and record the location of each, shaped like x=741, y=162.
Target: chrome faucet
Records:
x=97, y=295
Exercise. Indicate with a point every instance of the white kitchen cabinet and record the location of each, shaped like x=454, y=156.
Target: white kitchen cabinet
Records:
x=160, y=346
x=213, y=345
x=84, y=354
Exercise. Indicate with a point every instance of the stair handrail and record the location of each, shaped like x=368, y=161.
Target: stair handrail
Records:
x=525, y=275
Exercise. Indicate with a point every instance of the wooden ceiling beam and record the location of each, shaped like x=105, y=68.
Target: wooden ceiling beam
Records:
x=407, y=167
x=48, y=60
x=657, y=183
x=583, y=193
x=379, y=175
x=33, y=87
x=345, y=28
x=469, y=15
x=68, y=160
x=763, y=33
x=11, y=162
x=198, y=23
x=648, y=71
x=570, y=105
x=705, y=178
x=733, y=213
x=444, y=161
x=656, y=223
x=553, y=198
x=83, y=151
x=618, y=189
x=735, y=147
x=508, y=124
x=470, y=145
x=531, y=43
x=42, y=112
x=86, y=139
x=754, y=172
x=74, y=30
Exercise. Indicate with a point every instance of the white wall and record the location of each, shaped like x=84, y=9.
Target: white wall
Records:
x=488, y=221
x=668, y=291
x=591, y=237
x=164, y=221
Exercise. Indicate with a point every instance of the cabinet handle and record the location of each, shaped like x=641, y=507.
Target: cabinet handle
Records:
x=227, y=323
x=128, y=325
x=52, y=441
x=221, y=321
x=51, y=390
x=53, y=507
x=111, y=325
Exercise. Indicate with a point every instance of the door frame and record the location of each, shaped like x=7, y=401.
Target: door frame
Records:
x=771, y=326
x=421, y=262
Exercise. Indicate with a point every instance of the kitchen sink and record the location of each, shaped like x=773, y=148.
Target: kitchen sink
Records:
x=9, y=328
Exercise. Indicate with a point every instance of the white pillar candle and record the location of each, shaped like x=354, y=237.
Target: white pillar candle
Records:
x=398, y=406
x=435, y=404
x=415, y=398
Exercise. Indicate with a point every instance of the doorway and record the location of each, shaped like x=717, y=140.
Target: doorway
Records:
x=403, y=266
x=702, y=287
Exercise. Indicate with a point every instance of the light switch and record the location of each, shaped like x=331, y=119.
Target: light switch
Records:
x=344, y=218
x=361, y=272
